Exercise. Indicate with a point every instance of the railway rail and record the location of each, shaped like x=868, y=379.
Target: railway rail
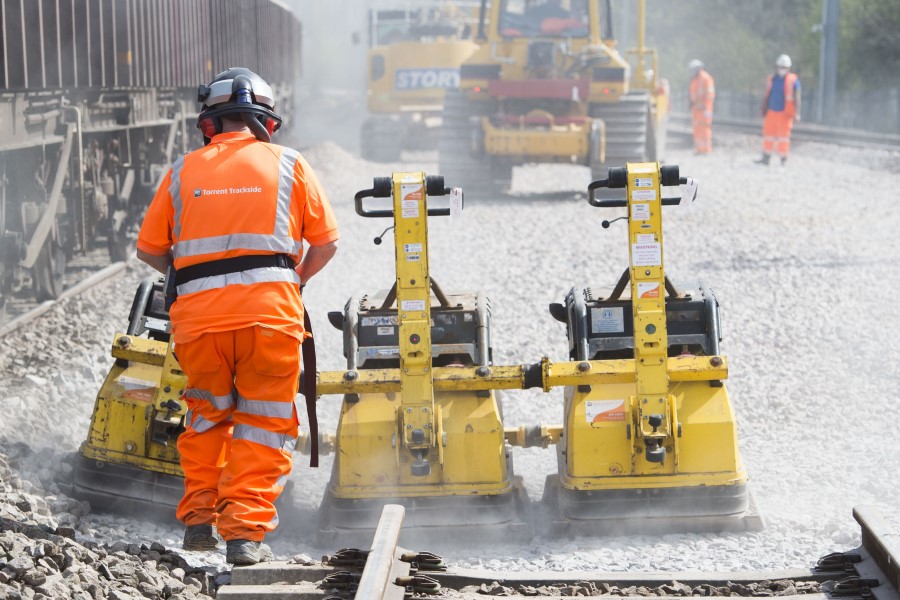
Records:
x=388, y=572
x=680, y=125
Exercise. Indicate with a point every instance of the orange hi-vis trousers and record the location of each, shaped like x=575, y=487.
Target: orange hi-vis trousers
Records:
x=236, y=451
x=777, y=127
x=702, y=121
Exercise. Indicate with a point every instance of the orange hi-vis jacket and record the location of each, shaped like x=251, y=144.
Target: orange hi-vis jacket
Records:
x=702, y=91
x=790, y=101
x=236, y=197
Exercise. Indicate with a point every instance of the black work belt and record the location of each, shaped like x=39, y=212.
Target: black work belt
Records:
x=237, y=264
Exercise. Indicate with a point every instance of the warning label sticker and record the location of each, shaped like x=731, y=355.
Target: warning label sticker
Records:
x=385, y=331
x=647, y=289
x=643, y=182
x=640, y=212
x=412, y=247
x=646, y=255
x=604, y=411
x=645, y=238
x=643, y=194
x=610, y=319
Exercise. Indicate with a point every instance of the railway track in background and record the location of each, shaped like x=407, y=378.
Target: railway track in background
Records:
x=680, y=125
x=83, y=272
x=388, y=572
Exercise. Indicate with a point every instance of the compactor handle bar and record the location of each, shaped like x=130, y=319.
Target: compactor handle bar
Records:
x=617, y=178
x=382, y=187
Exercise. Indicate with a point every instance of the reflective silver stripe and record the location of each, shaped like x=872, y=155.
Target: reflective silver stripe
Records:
x=264, y=275
x=236, y=241
x=265, y=408
x=201, y=424
x=281, y=481
x=274, y=522
x=285, y=187
x=175, y=193
x=279, y=441
x=220, y=402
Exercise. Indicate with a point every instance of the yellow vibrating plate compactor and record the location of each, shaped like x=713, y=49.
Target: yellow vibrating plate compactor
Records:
x=650, y=444
x=129, y=460
x=419, y=425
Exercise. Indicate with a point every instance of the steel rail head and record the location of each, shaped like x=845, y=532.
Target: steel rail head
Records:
x=376, y=575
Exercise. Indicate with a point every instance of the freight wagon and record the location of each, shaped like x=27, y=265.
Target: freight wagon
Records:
x=96, y=97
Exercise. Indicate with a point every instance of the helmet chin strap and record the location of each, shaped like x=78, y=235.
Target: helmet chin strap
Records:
x=256, y=127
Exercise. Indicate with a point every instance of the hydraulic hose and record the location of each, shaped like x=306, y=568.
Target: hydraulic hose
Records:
x=256, y=127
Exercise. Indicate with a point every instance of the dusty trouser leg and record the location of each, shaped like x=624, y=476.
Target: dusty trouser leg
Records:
x=784, y=126
x=702, y=131
x=771, y=129
x=205, y=444
x=265, y=433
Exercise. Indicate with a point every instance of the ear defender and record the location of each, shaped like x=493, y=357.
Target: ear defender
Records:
x=271, y=125
x=208, y=126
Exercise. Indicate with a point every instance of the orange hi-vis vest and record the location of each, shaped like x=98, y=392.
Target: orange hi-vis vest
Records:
x=790, y=101
x=702, y=90
x=237, y=197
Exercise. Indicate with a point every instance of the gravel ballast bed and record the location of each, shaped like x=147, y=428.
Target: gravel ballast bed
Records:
x=803, y=260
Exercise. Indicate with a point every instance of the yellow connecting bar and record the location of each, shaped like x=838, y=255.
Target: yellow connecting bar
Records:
x=545, y=374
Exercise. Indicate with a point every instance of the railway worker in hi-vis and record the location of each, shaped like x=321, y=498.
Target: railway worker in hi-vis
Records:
x=780, y=108
x=702, y=93
x=231, y=219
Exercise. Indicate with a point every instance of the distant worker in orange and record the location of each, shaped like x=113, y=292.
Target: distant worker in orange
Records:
x=702, y=93
x=781, y=107
x=231, y=218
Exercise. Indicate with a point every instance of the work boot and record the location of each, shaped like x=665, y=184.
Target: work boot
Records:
x=763, y=160
x=246, y=552
x=200, y=537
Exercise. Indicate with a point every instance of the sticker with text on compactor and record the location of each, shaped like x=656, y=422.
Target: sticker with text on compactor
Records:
x=646, y=255
x=609, y=319
x=643, y=194
x=385, y=331
x=379, y=321
x=645, y=238
x=648, y=289
x=604, y=411
x=640, y=212
x=412, y=305
x=410, y=197
x=643, y=182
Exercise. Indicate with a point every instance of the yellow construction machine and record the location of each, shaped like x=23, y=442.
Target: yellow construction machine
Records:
x=547, y=85
x=418, y=426
x=653, y=445
x=129, y=460
x=415, y=52
x=648, y=443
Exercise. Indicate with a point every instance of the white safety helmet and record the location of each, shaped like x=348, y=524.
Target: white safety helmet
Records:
x=695, y=64
x=783, y=61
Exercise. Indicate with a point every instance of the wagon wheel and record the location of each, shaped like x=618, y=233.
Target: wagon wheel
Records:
x=48, y=270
